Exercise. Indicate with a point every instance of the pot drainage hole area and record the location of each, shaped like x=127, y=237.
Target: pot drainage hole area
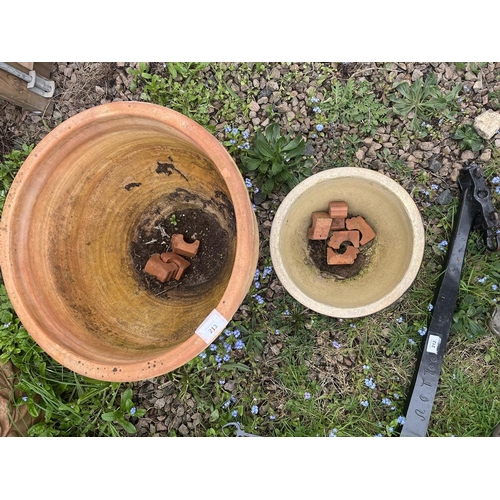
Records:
x=195, y=225
x=317, y=251
x=338, y=244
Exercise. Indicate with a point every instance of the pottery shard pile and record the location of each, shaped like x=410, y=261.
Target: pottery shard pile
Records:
x=338, y=228
x=171, y=265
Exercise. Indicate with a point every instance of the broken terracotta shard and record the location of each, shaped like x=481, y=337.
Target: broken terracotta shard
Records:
x=320, y=227
x=162, y=271
x=359, y=223
x=335, y=258
x=181, y=247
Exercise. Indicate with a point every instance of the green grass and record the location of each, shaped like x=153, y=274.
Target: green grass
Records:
x=8, y=168
x=350, y=103
x=290, y=371
x=315, y=381
x=197, y=90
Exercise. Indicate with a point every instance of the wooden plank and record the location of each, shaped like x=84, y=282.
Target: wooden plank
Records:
x=14, y=90
x=27, y=65
x=43, y=69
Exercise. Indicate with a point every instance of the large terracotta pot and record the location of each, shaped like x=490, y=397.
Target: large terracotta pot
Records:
x=71, y=216
x=392, y=262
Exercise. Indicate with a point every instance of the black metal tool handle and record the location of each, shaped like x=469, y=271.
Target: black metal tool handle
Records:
x=475, y=205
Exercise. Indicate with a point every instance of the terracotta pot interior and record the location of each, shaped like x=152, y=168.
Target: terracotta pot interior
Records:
x=85, y=202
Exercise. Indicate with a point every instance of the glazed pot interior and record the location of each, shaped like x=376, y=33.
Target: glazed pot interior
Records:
x=393, y=258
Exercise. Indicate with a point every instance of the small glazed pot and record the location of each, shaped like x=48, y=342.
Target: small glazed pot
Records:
x=69, y=220
x=395, y=254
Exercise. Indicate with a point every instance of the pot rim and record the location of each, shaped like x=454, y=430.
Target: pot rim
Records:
x=245, y=262
x=415, y=259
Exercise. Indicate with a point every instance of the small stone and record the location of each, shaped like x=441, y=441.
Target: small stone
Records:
x=449, y=72
x=416, y=75
x=347, y=362
x=426, y=146
x=485, y=156
x=275, y=350
x=275, y=73
x=487, y=124
x=444, y=198
x=282, y=108
x=264, y=93
x=467, y=155
x=494, y=322
x=159, y=403
x=309, y=149
x=183, y=430
x=455, y=174
x=360, y=154
x=253, y=106
x=273, y=86
x=160, y=426
x=478, y=85
x=435, y=165
x=259, y=197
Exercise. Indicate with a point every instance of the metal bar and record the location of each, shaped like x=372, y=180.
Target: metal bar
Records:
x=35, y=83
x=426, y=382
x=41, y=83
x=15, y=72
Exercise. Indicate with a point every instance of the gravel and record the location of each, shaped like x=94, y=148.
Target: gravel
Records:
x=80, y=86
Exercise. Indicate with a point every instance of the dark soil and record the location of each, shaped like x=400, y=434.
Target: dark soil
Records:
x=194, y=224
x=317, y=253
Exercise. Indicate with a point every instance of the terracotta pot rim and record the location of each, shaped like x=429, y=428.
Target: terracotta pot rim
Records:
x=246, y=240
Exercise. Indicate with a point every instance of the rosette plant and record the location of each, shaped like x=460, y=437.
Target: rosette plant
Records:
x=276, y=161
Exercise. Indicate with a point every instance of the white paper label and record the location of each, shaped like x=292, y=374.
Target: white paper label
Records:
x=433, y=344
x=212, y=325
